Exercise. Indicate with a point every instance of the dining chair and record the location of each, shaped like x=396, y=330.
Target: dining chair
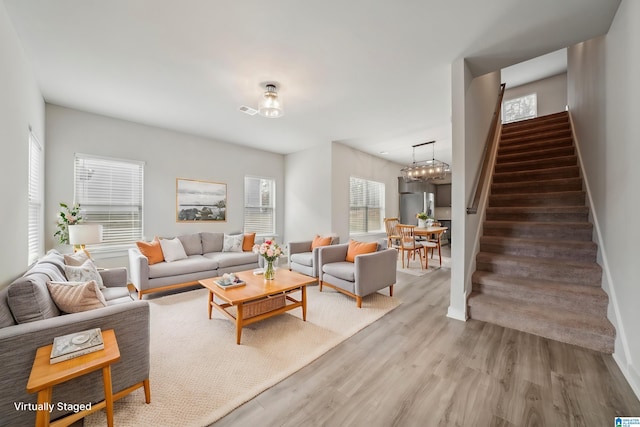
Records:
x=392, y=233
x=408, y=244
x=435, y=239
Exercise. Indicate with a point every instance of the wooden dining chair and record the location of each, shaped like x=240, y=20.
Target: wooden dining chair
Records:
x=392, y=233
x=408, y=244
x=435, y=240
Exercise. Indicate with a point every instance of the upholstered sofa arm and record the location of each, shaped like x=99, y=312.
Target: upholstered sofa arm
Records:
x=114, y=277
x=329, y=254
x=138, y=269
x=130, y=321
x=375, y=271
x=297, y=248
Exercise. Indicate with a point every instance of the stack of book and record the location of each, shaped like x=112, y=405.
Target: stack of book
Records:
x=77, y=344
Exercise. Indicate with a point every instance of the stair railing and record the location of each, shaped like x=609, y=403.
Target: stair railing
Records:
x=488, y=150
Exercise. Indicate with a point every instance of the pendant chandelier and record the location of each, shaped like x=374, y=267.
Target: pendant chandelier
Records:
x=425, y=170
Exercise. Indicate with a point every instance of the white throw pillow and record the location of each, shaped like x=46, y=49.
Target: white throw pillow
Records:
x=233, y=243
x=172, y=249
x=77, y=259
x=83, y=273
x=75, y=297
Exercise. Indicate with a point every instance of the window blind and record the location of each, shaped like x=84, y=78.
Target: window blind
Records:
x=110, y=192
x=36, y=200
x=366, y=205
x=259, y=205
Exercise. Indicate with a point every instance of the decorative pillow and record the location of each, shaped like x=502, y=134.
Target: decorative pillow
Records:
x=172, y=249
x=359, y=248
x=248, y=241
x=74, y=297
x=84, y=273
x=77, y=258
x=320, y=241
x=152, y=250
x=233, y=243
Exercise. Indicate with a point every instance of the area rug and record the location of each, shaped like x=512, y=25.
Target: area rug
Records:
x=199, y=374
x=413, y=267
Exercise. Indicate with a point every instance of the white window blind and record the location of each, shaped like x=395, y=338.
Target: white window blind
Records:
x=366, y=206
x=36, y=200
x=525, y=107
x=110, y=192
x=259, y=205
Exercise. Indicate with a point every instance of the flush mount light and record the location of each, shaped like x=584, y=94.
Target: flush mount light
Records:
x=270, y=104
x=425, y=170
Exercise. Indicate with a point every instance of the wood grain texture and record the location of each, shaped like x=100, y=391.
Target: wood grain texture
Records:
x=416, y=367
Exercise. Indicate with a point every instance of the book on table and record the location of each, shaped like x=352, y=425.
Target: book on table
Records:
x=76, y=344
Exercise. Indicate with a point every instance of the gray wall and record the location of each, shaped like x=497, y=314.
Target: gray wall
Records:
x=603, y=98
x=473, y=102
x=168, y=155
x=21, y=106
x=551, y=93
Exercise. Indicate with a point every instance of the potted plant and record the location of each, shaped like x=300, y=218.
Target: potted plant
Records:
x=422, y=219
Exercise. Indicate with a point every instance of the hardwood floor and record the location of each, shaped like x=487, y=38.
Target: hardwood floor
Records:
x=416, y=367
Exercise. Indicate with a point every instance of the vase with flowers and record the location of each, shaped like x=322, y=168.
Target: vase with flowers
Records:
x=270, y=251
x=66, y=217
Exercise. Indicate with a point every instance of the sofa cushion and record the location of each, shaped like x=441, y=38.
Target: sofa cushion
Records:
x=360, y=248
x=6, y=318
x=191, y=243
x=75, y=297
x=248, y=242
x=77, y=258
x=172, y=250
x=303, y=258
x=116, y=295
x=232, y=259
x=320, y=241
x=152, y=250
x=212, y=242
x=233, y=243
x=342, y=270
x=191, y=264
x=83, y=273
x=28, y=296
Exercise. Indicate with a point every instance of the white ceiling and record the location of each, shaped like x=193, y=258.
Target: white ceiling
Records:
x=374, y=75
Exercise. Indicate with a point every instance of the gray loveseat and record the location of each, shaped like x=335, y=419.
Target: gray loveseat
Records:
x=30, y=319
x=205, y=259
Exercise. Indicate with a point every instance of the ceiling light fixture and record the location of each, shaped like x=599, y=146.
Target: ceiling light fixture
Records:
x=270, y=104
x=425, y=170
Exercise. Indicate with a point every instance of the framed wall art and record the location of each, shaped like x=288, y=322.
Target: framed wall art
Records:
x=200, y=200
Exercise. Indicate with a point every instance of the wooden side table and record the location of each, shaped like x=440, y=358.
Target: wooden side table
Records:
x=45, y=375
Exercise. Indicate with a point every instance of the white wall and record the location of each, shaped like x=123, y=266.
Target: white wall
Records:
x=473, y=103
x=168, y=155
x=346, y=162
x=308, y=193
x=603, y=93
x=551, y=93
x=21, y=106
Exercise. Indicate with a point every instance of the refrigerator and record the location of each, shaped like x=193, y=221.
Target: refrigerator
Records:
x=413, y=202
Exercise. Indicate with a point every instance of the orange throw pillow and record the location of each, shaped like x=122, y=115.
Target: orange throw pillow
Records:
x=360, y=248
x=152, y=250
x=248, y=241
x=320, y=241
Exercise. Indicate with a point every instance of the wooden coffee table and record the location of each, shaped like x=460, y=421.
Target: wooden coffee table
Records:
x=259, y=299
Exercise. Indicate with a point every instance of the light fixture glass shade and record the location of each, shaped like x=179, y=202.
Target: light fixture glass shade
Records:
x=425, y=170
x=85, y=234
x=270, y=104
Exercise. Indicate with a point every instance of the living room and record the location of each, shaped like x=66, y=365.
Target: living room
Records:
x=311, y=183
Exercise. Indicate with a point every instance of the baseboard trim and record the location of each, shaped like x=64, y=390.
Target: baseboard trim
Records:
x=630, y=374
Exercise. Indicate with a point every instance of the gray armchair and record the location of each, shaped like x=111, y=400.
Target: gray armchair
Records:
x=304, y=260
x=368, y=274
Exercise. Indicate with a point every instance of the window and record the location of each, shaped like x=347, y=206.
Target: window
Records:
x=36, y=200
x=259, y=205
x=366, y=206
x=110, y=192
x=525, y=107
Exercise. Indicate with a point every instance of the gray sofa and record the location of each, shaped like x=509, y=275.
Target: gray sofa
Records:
x=205, y=259
x=29, y=319
x=368, y=274
x=303, y=259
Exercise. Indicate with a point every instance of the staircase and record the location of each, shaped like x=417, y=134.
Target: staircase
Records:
x=536, y=270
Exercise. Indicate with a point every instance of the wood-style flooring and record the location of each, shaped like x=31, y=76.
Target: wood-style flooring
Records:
x=416, y=367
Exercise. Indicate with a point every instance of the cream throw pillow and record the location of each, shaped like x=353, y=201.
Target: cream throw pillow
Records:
x=77, y=259
x=233, y=243
x=172, y=249
x=74, y=297
x=83, y=273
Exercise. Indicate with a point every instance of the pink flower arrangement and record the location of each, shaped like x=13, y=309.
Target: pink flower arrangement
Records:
x=270, y=250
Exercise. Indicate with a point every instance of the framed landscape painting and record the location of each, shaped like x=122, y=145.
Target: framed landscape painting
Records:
x=200, y=200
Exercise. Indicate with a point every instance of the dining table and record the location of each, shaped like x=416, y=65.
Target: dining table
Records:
x=433, y=233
